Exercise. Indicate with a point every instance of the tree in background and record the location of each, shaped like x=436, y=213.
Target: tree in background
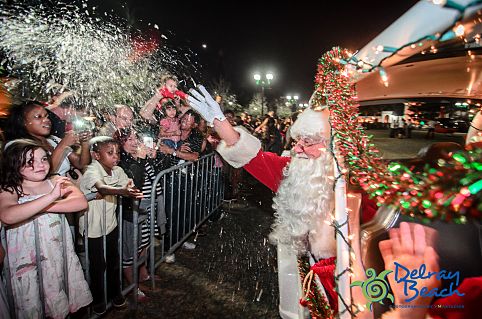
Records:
x=254, y=107
x=229, y=100
x=283, y=108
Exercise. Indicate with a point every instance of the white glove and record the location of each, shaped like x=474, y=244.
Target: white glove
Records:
x=205, y=105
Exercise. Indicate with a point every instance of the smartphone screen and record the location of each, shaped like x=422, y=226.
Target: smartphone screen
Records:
x=148, y=141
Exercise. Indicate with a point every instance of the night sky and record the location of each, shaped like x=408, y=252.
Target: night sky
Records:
x=243, y=37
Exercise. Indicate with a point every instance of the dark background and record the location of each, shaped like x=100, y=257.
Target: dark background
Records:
x=243, y=37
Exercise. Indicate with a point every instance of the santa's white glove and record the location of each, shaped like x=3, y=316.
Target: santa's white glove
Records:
x=205, y=105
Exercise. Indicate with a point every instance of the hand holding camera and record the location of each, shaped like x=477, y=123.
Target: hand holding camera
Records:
x=81, y=125
x=84, y=136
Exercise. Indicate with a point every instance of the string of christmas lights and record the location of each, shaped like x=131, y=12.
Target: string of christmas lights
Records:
x=455, y=30
x=451, y=192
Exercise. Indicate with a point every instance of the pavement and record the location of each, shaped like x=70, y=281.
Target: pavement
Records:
x=403, y=148
x=232, y=272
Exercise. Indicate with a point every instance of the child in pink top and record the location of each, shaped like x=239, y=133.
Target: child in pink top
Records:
x=170, y=130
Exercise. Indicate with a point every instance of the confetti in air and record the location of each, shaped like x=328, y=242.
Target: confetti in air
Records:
x=51, y=49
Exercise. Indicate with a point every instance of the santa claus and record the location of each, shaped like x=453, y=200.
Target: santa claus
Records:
x=304, y=204
x=303, y=183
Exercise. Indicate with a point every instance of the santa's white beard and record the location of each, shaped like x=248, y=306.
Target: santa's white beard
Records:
x=305, y=200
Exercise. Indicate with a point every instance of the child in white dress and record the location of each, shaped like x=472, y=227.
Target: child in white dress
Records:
x=29, y=198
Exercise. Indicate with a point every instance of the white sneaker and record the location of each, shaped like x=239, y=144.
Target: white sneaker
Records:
x=188, y=245
x=170, y=259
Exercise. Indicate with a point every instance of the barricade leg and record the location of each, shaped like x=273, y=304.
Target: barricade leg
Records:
x=202, y=192
x=7, y=276
x=211, y=186
x=120, y=226
x=178, y=209
x=192, y=218
x=87, y=254
x=196, y=194
x=171, y=213
x=135, y=275
x=104, y=251
x=216, y=188
x=184, y=208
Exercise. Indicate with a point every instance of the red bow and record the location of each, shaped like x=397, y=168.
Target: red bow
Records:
x=325, y=269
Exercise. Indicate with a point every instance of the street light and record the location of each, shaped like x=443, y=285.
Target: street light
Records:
x=293, y=101
x=261, y=82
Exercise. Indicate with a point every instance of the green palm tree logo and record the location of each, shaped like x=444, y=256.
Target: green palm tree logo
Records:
x=375, y=288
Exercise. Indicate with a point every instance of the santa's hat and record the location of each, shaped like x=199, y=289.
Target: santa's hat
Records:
x=313, y=122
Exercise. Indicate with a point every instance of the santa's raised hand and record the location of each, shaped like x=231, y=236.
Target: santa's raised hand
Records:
x=205, y=105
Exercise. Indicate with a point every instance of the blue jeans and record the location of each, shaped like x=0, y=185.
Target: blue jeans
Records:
x=171, y=143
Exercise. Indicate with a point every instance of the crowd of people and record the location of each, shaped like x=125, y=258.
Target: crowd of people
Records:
x=57, y=162
x=270, y=129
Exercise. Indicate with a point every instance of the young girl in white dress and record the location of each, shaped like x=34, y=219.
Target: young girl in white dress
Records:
x=28, y=197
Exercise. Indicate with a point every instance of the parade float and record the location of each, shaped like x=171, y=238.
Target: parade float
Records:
x=432, y=51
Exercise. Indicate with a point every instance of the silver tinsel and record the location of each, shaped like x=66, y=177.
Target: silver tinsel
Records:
x=50, y=49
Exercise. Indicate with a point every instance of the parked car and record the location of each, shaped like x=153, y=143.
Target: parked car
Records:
x=443, y=126
x=458, y=125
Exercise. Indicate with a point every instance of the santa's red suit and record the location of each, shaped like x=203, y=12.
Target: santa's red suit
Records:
x=268, y=169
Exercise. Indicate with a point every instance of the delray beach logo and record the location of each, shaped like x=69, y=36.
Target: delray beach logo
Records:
x=376, y=288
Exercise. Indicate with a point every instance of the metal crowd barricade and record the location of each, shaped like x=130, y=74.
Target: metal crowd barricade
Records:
x=195, y=191
x=136, y=220
x=191, y=192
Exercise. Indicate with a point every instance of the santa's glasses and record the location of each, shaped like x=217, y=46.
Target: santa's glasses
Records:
x=309, y=141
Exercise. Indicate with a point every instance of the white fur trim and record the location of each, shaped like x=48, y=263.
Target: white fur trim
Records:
x=322, y=241
x=241, y=153
x=311, y=123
